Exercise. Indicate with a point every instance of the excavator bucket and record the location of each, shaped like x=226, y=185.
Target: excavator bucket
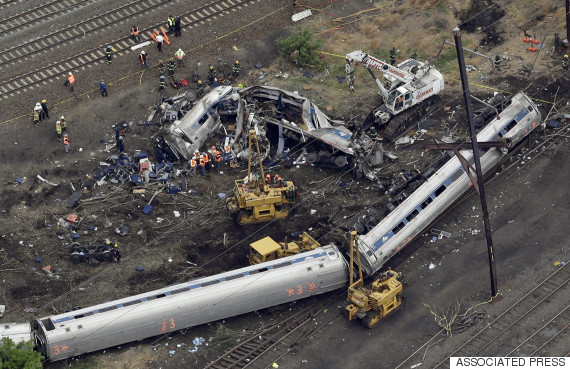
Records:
x=166, y=39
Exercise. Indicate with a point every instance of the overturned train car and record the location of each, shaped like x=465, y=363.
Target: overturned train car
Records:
x=442, y=189
x=189, y=304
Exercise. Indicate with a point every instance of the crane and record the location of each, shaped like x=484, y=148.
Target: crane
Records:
x=409, y=84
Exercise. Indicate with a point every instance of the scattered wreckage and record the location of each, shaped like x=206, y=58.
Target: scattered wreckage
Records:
x=276, y=115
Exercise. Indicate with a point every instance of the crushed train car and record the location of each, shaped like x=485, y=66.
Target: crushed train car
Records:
x=235, y=111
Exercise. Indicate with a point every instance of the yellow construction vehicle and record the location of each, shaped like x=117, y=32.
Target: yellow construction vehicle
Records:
x=260, y=199
x=267, y=249
x=371, y=305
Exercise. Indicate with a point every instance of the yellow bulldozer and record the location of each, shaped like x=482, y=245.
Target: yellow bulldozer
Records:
x=257, y=198
x=371, y=305
x=267, y=249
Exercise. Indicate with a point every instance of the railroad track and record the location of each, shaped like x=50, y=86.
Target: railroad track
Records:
x=7, y=3
x=499, y=338
x=91, y=57
x=265, y=348
x=38, y=13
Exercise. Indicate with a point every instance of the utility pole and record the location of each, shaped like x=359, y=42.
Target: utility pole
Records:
x=475, y=145
x=567, y=22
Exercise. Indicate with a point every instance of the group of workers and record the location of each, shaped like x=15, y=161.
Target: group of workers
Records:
x=207, y=160
x=41, y=112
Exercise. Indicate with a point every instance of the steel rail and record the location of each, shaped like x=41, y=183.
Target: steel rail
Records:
x=92, y=56
x=245, y=354
x=40, y=12
x=527, y=297
x=77, y=30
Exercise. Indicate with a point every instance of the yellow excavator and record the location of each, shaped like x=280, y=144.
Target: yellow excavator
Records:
x=260, y=199
x=371, y=305
x=267, y=249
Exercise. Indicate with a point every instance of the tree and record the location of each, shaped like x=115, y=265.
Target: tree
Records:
x=300, y=47
x=19, y=356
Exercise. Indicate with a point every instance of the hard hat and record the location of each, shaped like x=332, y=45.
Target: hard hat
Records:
x=37, y=104
x=565, y=55
x=142, y=52
x=116, y=245
x=43, y=101
x=57, y=123
x=237, y=61
x=62, y=117
x=240, y=85
x=120, y=137
x=107, y=242
x=108, y=46
x=180, y=50
x=197, y=151
x=65, y=135
x=211, y=67
x=199, y=82
x=70, y=73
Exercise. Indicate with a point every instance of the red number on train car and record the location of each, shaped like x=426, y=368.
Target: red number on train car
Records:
x=166, y=325
x=299, y=290
x=312, y=286
x=291, y=291
x=60, y=349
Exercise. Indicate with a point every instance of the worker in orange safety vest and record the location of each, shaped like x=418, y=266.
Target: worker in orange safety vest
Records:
x=70, y=80
x=193, y=163
x=202, y=163
x=217, y=157
x=206, y=160
x=66, y=142
x=135, y=33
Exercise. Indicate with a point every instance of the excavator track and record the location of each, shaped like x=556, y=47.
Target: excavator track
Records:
x=403, y=122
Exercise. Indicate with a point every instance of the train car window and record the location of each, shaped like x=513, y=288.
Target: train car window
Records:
x=161, y=295
x=456, y=175
x=134, y=302
x=440, y=190
x=331, y=253
x=399, y=227
x=234, y=277
x=412, y=215
x=79, y=316
x=210, y=283
x=511, y=125
x=282, y=264
x=89, y=313
x=529, y=108
x=180, y=290
x=108, y=308
x=369, y=252
x=48, y=324
x=424, y=204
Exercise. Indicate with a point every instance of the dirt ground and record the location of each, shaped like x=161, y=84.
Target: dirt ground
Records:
x=528, y=206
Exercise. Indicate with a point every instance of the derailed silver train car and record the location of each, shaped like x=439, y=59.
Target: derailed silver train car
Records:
x=17, y=332
x=445, y=186
x=192, y=303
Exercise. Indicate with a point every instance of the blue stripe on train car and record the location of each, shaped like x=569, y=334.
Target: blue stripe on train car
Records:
x=342, y=134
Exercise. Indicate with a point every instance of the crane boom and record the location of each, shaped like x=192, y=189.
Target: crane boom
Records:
x=372, y=62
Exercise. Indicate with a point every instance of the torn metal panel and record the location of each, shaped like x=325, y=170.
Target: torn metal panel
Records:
x=188, y=134
x=296, y=113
